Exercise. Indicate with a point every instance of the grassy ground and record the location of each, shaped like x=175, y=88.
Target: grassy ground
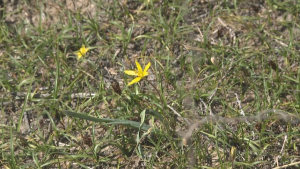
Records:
x=222, y=90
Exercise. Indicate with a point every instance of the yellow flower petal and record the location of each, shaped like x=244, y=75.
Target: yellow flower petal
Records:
x=131, y=72
x=135, y=81
x=145, y=74
x=82, y=51
x=140, y=72
x=138, y=66
x=147, y=67
x=79, y=55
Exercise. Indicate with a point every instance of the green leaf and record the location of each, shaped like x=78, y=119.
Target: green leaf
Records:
x=155, y=114
x=129, y=123
x=292, y=79
x=139, y=148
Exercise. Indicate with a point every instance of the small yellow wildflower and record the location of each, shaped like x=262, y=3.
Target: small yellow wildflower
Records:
x=140, y=73
x=82, y=51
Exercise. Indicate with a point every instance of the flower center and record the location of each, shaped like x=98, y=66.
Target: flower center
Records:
x=140, y=73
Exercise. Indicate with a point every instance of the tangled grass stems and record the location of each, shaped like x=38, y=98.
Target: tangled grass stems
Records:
x=261, y=116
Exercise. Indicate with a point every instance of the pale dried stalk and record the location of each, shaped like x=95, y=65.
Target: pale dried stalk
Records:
x=259, y=117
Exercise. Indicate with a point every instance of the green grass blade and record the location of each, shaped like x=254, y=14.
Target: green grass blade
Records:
x=133, y=124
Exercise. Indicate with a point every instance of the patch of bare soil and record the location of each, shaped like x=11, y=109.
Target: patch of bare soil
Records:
x=46, y=13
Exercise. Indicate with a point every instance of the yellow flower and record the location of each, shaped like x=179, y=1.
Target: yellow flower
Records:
x=82, y=51
x=140, y=73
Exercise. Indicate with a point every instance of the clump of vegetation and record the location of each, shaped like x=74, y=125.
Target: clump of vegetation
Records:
x=219, y=89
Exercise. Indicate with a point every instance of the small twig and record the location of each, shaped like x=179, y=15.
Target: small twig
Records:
x=22, y=95
x=285, y=138
x=281, y=43
x=288, y=165
x=240, y=105
x=232, y=35
x=222, y=22
x=178, y=114
x=26, y=121
x=206, y=107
